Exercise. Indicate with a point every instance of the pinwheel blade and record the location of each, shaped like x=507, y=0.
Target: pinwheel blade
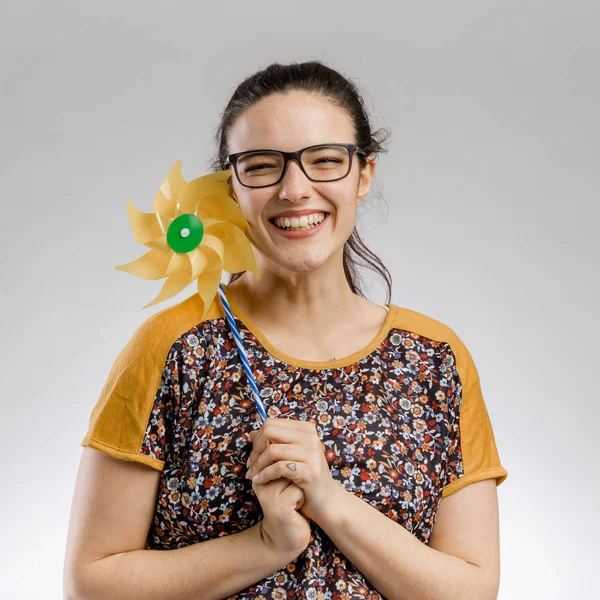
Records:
x=178, y=263
x=152, y=265
x=199, y=261
x=208, y=283
x=196, y=190
x=145, y=226
x=238, y=254
x=172, y=286
x=222, y=207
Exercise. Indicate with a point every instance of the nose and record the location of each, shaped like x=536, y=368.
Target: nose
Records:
x=295, y=185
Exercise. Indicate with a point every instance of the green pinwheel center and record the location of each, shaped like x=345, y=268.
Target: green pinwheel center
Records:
x=185, y=233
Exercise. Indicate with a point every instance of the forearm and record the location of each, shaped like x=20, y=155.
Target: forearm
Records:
x=397, y=564
x=208, y=570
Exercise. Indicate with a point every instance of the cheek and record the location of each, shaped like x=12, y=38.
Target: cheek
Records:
x=345, y=210
x=251, y=204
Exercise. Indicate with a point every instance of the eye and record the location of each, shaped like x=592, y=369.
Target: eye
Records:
x=256, y=167
x=329, y=159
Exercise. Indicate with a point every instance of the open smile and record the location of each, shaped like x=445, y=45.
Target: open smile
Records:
x=300, y=233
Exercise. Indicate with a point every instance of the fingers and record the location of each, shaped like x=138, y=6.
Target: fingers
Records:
x=282, y=491
x=276, y=487
x=282, y=431
x=287, y=469
x=293, y=495
x=274, y=453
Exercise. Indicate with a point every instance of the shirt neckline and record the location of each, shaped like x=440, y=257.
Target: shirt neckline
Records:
x=308, y=364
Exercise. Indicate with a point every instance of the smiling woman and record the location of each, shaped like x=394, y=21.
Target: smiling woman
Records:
x=375, y=473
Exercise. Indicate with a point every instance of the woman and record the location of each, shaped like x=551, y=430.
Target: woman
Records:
x=375, y=412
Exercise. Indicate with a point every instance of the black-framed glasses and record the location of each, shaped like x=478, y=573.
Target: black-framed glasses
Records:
x=321, y=162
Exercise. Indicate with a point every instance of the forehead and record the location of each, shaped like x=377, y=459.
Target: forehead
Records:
x=288, y=122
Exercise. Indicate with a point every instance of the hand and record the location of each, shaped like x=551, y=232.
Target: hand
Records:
x=292, y=449
x=283, y=528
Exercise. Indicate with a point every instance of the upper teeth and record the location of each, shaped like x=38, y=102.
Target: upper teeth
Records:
x=302, y=221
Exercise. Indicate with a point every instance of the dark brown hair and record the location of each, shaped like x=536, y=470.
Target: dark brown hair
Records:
x=312, y=77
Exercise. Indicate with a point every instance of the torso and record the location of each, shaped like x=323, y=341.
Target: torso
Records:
x=381, y=412
x=389, y=415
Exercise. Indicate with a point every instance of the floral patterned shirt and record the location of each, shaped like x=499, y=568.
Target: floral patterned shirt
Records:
x=403, y=422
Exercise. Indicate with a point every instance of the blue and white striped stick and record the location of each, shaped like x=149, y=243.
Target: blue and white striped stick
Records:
x=238, y=342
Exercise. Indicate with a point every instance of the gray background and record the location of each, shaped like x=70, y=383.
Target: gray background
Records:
x=485, y=210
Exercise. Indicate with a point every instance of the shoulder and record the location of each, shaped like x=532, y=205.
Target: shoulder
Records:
x=133, y=395
x=156, y=335
x=428, y=327
x=153, y=352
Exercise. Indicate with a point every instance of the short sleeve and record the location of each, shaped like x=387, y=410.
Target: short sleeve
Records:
x=471, y=454
x=133, y=417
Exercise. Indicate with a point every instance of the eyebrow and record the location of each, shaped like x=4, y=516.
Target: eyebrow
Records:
x=276, y=150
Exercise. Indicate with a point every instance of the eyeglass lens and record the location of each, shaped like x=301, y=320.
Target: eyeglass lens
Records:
x=321, y=164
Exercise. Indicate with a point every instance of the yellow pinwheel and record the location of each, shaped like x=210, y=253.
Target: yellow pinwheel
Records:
x=195, y=232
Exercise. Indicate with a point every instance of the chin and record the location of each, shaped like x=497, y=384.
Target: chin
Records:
x=304, y=264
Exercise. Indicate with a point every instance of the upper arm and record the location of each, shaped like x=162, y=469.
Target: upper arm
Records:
x=467, y=526
x=112, y=510
x=467, y=522
x=128, y=442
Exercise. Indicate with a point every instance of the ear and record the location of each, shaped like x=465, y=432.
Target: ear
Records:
x=365, y=178
x=230, y=188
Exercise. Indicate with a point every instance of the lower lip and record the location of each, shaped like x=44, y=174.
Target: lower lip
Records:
x=301, y=234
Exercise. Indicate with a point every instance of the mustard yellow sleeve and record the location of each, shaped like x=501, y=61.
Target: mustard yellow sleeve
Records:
x=472, y=454
x=133, y=416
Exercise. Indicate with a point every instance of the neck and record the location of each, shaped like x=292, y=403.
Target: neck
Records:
x=296, y=305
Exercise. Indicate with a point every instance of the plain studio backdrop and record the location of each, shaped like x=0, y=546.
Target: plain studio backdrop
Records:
x=485, y=210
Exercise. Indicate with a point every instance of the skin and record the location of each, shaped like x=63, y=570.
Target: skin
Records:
x=302, y=301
